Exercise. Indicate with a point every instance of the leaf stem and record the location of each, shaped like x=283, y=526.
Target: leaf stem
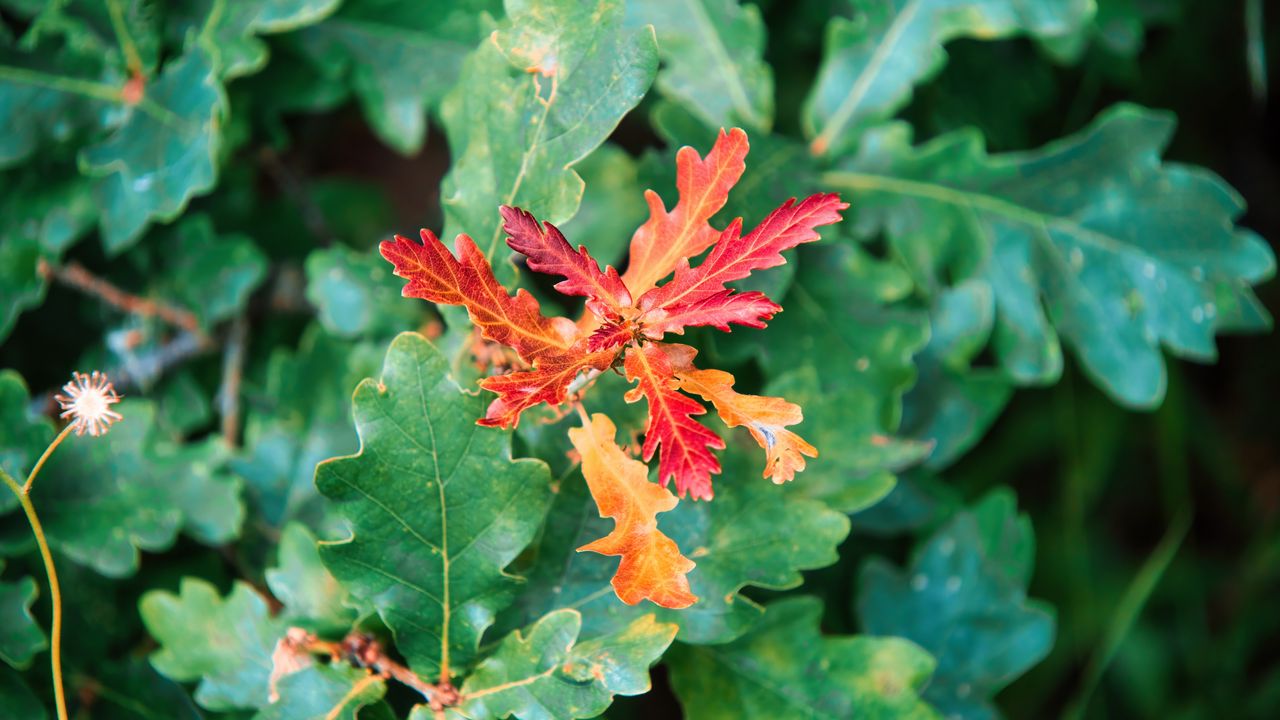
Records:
x=26, y=487
x=132, y=58
x=61, y=83
x=55, y=591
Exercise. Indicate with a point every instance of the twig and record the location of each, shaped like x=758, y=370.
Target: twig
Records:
x=233, y=355
x=365, y=651
x=141, y=370
x=75, y=275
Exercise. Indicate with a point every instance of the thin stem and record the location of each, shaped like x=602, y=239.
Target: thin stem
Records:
x=55, y=591
x=26, y=487
x=75, y=275
x=61, y=83
x=132, y=58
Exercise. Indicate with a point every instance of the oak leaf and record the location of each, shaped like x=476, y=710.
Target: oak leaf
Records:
x=652, y=566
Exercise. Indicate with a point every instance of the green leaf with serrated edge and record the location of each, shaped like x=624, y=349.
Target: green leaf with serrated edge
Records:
x=17, y=698
x=130, y=689
x=356, y=294
x=840, y=321
x=312, y=598
x=743, y=537
x=324, y=692
x=164, y=154
x=712, y=59
x=20, y=637
x=963, y=598
x=103, y=499
x=230, y=30
x=870, y=64
x=785, y=668
x=305, y=419
x=42, y=213
x=1119, y=27
x=225, y=643
x=953, y=404
x=1123, y=252
x=436, y=508
x=532, y=101
x=545, y=672
x=23, y=434
x=211, y=274
x=400, y=57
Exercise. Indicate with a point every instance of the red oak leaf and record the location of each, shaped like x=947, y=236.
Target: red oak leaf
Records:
x=735, y=256
x=547, y=383
x=751, y=309
x=652, y=566
x=548, y=252
x=686, y=443
x=434, y=274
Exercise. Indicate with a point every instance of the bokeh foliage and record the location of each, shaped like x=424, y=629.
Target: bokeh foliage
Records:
x=1036, y=496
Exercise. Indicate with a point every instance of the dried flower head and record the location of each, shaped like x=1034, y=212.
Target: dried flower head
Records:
x=87, y=401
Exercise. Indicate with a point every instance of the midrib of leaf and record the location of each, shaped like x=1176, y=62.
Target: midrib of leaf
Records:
x=856, y=181
x=658, y=402
x=844, y=113
x=128, y=48
x=510, y=685
x=733, y=80
x=355, y=690
x=446, y=609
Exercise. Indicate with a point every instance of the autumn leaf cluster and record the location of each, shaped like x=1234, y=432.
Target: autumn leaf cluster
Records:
x=628, y=317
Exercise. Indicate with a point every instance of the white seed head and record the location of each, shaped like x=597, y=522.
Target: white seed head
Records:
x=87, y=400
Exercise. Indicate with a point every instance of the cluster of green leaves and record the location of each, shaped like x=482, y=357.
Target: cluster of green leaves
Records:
x=237, y=161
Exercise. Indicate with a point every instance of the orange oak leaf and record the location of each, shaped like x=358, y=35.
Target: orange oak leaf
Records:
x=684, y=232
x=651, y=567
x=548, y=252
x=766, y=418
x=735, y=256
x=686, y=443
x=434, y=274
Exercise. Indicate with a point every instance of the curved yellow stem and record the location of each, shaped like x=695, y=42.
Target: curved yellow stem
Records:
x=55, y=592
x=26, y=487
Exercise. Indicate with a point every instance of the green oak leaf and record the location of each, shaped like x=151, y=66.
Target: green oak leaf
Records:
x=841, y=322
x=312, y=598
x=226, y=644
x=232, y=29
x=23, y=434
x=104, y=499
x=400, y=57
x=712, y=54
x=548, y=671
x=324, y=692
x=209, y=273
x=531, y=102
x=744, y=537
x=612, y=204
x=164, y=154
x=954, y=404
x=785, y=668
x=963, y=598
x=356, y=294
x=870, y=64
x=1119, y=27
x=17, y=698
x=295, y=426
x=1121, y=252
x=436, y=508
x=918, y=500
x=104, y=29
x=39, y=107
x=20, y=637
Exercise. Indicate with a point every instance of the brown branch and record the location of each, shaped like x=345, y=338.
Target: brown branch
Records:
x=362, y=650
x=74, y=275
